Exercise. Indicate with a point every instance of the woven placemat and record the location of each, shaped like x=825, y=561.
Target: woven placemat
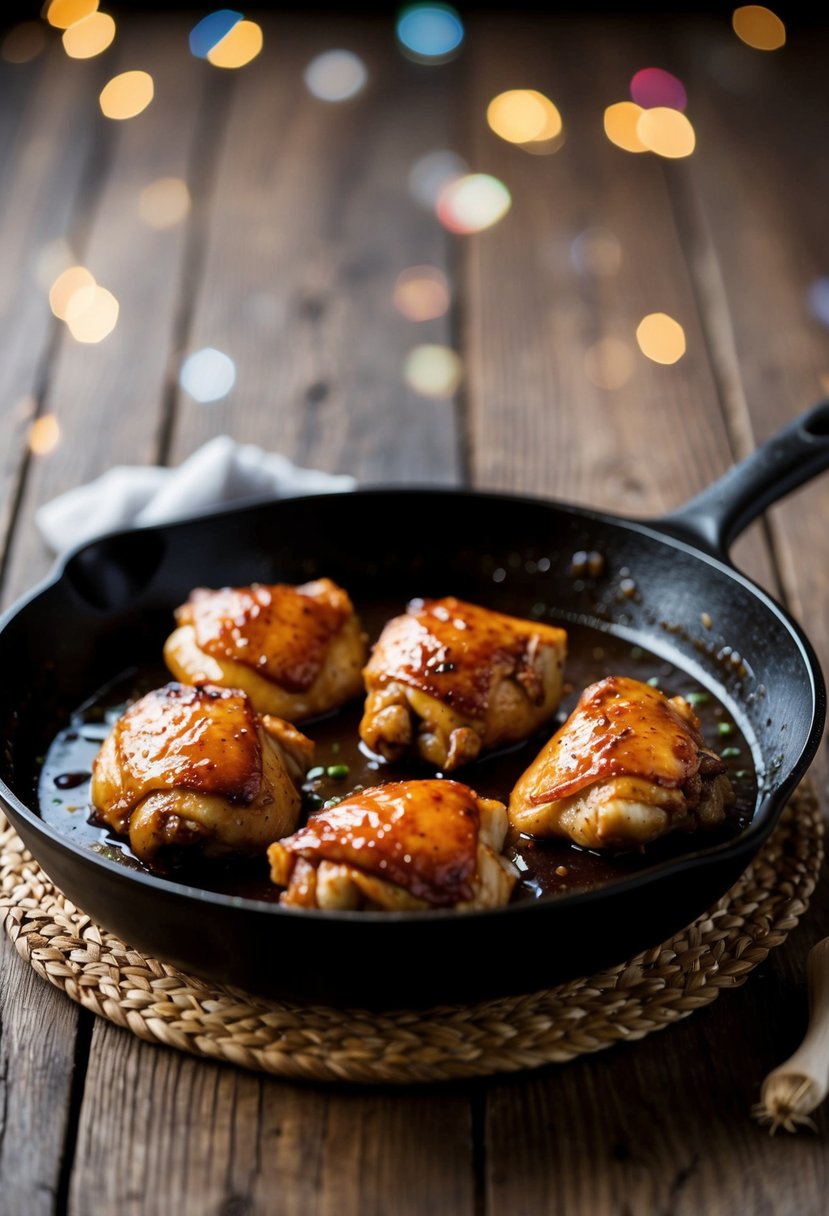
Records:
x=161, y=1004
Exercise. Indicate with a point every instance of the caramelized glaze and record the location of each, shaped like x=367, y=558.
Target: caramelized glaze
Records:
x=281, y=632
x=202, y=739
x=620, y=727
x=421, y=835
x=454, y=651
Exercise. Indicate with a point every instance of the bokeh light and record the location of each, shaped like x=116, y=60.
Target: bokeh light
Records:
x=237, y=48
x=759, y=27
x=620, y=123
x=44, y=435
x=211, y=30
x=609, y=364
x=207, y=375
x=431, y=174
x=433, y=371
x=63, y=13
x=473, y=203
x=23, y=42
x=429, y=33
x=69, y=281
x=336, y=75
x=92, y=314
x=819, y=300
x=89, y=37
x=596, y=251
x=522, y=116
x=164, y=202
x=126, y=95
x=661, y=338
x=666, y=132
x=655, y=87
x=421, y=293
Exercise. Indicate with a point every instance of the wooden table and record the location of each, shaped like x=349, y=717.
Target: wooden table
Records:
x=301, y=221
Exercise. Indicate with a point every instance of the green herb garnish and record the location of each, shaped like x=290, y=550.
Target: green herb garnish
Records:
x=728, y=753
x=338, y=771
x=313, y=773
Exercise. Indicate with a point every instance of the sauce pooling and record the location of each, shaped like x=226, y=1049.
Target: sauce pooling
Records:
x=341, y=765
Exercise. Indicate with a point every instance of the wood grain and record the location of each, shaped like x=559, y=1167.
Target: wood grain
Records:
x=108, y=398
x=47, y=153
x=311, y=224
x=218, y=1140
x=38, y=1041
x=47, y=149
x=761, y=190
x=532, y=313
x=301, y=222
x=296, y=286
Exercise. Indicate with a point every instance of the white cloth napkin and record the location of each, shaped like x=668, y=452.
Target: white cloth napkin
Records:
x=222, y=471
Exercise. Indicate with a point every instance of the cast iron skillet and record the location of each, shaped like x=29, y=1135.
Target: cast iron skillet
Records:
x=108, y=605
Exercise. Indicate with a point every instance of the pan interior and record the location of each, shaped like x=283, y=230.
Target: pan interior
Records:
x=111, y=609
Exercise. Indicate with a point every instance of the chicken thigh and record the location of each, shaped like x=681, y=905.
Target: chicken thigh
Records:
x=626, y=767
x=295, y=651
x=449, y=680
x=405, y=846
x=197, y=766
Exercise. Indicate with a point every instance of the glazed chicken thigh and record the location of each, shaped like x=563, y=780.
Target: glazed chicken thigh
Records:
x=197, y=766
x=295, y=651
x=405, y=846
x=626, y=767
x=449, y=680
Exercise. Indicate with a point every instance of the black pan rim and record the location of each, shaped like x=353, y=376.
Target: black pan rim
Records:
x=747, y=843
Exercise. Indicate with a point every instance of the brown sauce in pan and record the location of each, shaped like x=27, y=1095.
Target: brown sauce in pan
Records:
x=547, y=868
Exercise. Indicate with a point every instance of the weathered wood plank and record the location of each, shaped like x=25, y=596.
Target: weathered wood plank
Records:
x=308, y=228
x=47, y=150
x=761, y=205
x=160, y=1132
x=659, y=1126
x=662, y=1125
x=532, y=313
x=38, y=1039
x=108, y=398
x=302, y=261
x=46, y=140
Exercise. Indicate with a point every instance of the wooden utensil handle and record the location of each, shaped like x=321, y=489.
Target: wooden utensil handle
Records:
x=796, y=1088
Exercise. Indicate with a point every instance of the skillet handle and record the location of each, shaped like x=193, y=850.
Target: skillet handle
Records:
x=715, y=518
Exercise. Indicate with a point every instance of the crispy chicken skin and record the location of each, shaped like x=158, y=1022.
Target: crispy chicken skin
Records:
x=627, y=766
x=197, y=766
x=405, y=846
x=449, y=680
x=295, y=651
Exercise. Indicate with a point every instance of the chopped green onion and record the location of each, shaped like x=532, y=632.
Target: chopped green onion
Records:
x=697, y=698
x=728, y=753
x=313, y=773
x=335, y=749
x=725, y=728
x=333, y=802
x=314, y=801
x=338, y=771
x=741, y=774
x=654, y=681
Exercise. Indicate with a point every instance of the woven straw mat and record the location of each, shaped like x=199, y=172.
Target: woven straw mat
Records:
x=161, y=1004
